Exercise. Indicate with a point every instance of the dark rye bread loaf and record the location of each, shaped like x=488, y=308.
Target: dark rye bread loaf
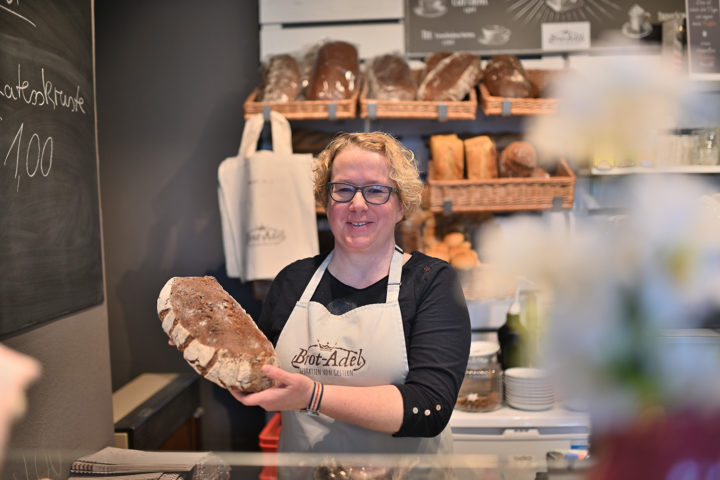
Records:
x=217, y=337
x=334, y=72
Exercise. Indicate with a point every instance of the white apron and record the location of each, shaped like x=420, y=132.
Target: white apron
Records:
x=363, y=347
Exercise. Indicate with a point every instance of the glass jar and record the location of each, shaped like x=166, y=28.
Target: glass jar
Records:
x=707, y=148
x=481, y=389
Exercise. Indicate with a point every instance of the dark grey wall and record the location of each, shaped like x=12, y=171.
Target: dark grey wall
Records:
x=69, y=409
x=172, y=76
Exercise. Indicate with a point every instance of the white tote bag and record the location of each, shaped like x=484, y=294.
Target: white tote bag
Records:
x=266, y=203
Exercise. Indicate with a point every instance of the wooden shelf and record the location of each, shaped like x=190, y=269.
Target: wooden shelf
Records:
x=701, y=169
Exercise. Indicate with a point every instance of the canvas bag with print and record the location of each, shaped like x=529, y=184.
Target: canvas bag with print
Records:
x=281, y=224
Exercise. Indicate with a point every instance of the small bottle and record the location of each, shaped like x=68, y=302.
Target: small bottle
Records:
x=512, y=336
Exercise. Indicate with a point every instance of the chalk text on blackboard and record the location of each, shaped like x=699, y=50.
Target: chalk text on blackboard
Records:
x=49, y=95
x=11, y=3
x=41, y=156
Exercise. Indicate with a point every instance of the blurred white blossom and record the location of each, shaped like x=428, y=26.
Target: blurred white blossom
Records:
x=614, y=108
x=616, y=286
x=619, y=287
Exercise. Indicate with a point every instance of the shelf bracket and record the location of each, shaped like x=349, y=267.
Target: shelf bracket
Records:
x=442, y=111
x=506, y=107
x=372, y=110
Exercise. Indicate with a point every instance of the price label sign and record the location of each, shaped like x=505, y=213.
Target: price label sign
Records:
x=703, y=24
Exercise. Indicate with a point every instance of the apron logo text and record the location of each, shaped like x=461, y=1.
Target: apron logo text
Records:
x=323, y=356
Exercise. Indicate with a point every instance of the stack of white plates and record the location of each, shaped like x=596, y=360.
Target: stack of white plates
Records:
x=528, y=389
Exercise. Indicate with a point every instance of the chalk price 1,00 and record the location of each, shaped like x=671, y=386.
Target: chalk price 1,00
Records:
x=37, y=154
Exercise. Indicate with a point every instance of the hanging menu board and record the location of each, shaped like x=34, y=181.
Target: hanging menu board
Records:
x=488, y=27
x=703, y=24
x=50, y=250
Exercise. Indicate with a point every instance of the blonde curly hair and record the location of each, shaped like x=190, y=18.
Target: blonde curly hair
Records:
x=401, y=162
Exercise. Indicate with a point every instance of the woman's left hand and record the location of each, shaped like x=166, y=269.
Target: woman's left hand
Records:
x=292, y=391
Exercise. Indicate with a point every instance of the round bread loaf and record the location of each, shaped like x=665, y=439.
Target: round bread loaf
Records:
x=217, y=337
x=505, y=76
x=519, y=159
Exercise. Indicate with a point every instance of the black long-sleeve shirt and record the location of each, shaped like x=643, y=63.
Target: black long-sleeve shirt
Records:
x=435, y=322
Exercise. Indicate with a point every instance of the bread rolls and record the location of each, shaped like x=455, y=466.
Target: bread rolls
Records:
x=480, y=158
x=217, y=337
x=455, y=250
x=454, y=239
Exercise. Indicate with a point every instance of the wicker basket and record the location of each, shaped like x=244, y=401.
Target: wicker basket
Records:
x=461, y=110
x=503, y=194
x=521, y=106
x=307, y=109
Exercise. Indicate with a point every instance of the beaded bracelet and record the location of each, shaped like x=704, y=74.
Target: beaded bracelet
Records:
x=315, y=399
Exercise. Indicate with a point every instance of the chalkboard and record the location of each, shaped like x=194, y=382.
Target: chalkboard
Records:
x=489, y=27
x=703, y=23
x=50, y=249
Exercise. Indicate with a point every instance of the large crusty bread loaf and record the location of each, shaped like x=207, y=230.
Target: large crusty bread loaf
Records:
x=217, y=337
x=451, y=79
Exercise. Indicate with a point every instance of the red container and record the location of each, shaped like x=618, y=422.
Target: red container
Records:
x=269, y=437
x=270, y=434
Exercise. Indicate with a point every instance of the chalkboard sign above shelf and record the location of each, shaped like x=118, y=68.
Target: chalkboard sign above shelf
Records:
x=533, y=27
x=50, y=249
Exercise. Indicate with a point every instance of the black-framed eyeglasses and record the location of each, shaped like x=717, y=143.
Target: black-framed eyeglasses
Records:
x=345, y=192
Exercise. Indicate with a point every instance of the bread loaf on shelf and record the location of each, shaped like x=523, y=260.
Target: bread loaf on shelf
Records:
x=480, y=158
x=451, y=79
x=448, y=158
x=433, y=59
x=334, y=72
x=280, y=81
x=217, y=337
x=518, y=159
x=505, y=76
x=390, y=78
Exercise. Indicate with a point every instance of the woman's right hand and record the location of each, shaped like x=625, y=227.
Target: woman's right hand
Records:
x=291, y=391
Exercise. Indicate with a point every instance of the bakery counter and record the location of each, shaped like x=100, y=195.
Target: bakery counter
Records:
x=113, y=463
x=521, y=440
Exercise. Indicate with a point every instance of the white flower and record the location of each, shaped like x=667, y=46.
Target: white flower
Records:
x=616, y=287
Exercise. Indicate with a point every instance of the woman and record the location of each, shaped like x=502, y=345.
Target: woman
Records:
x=373, y=342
